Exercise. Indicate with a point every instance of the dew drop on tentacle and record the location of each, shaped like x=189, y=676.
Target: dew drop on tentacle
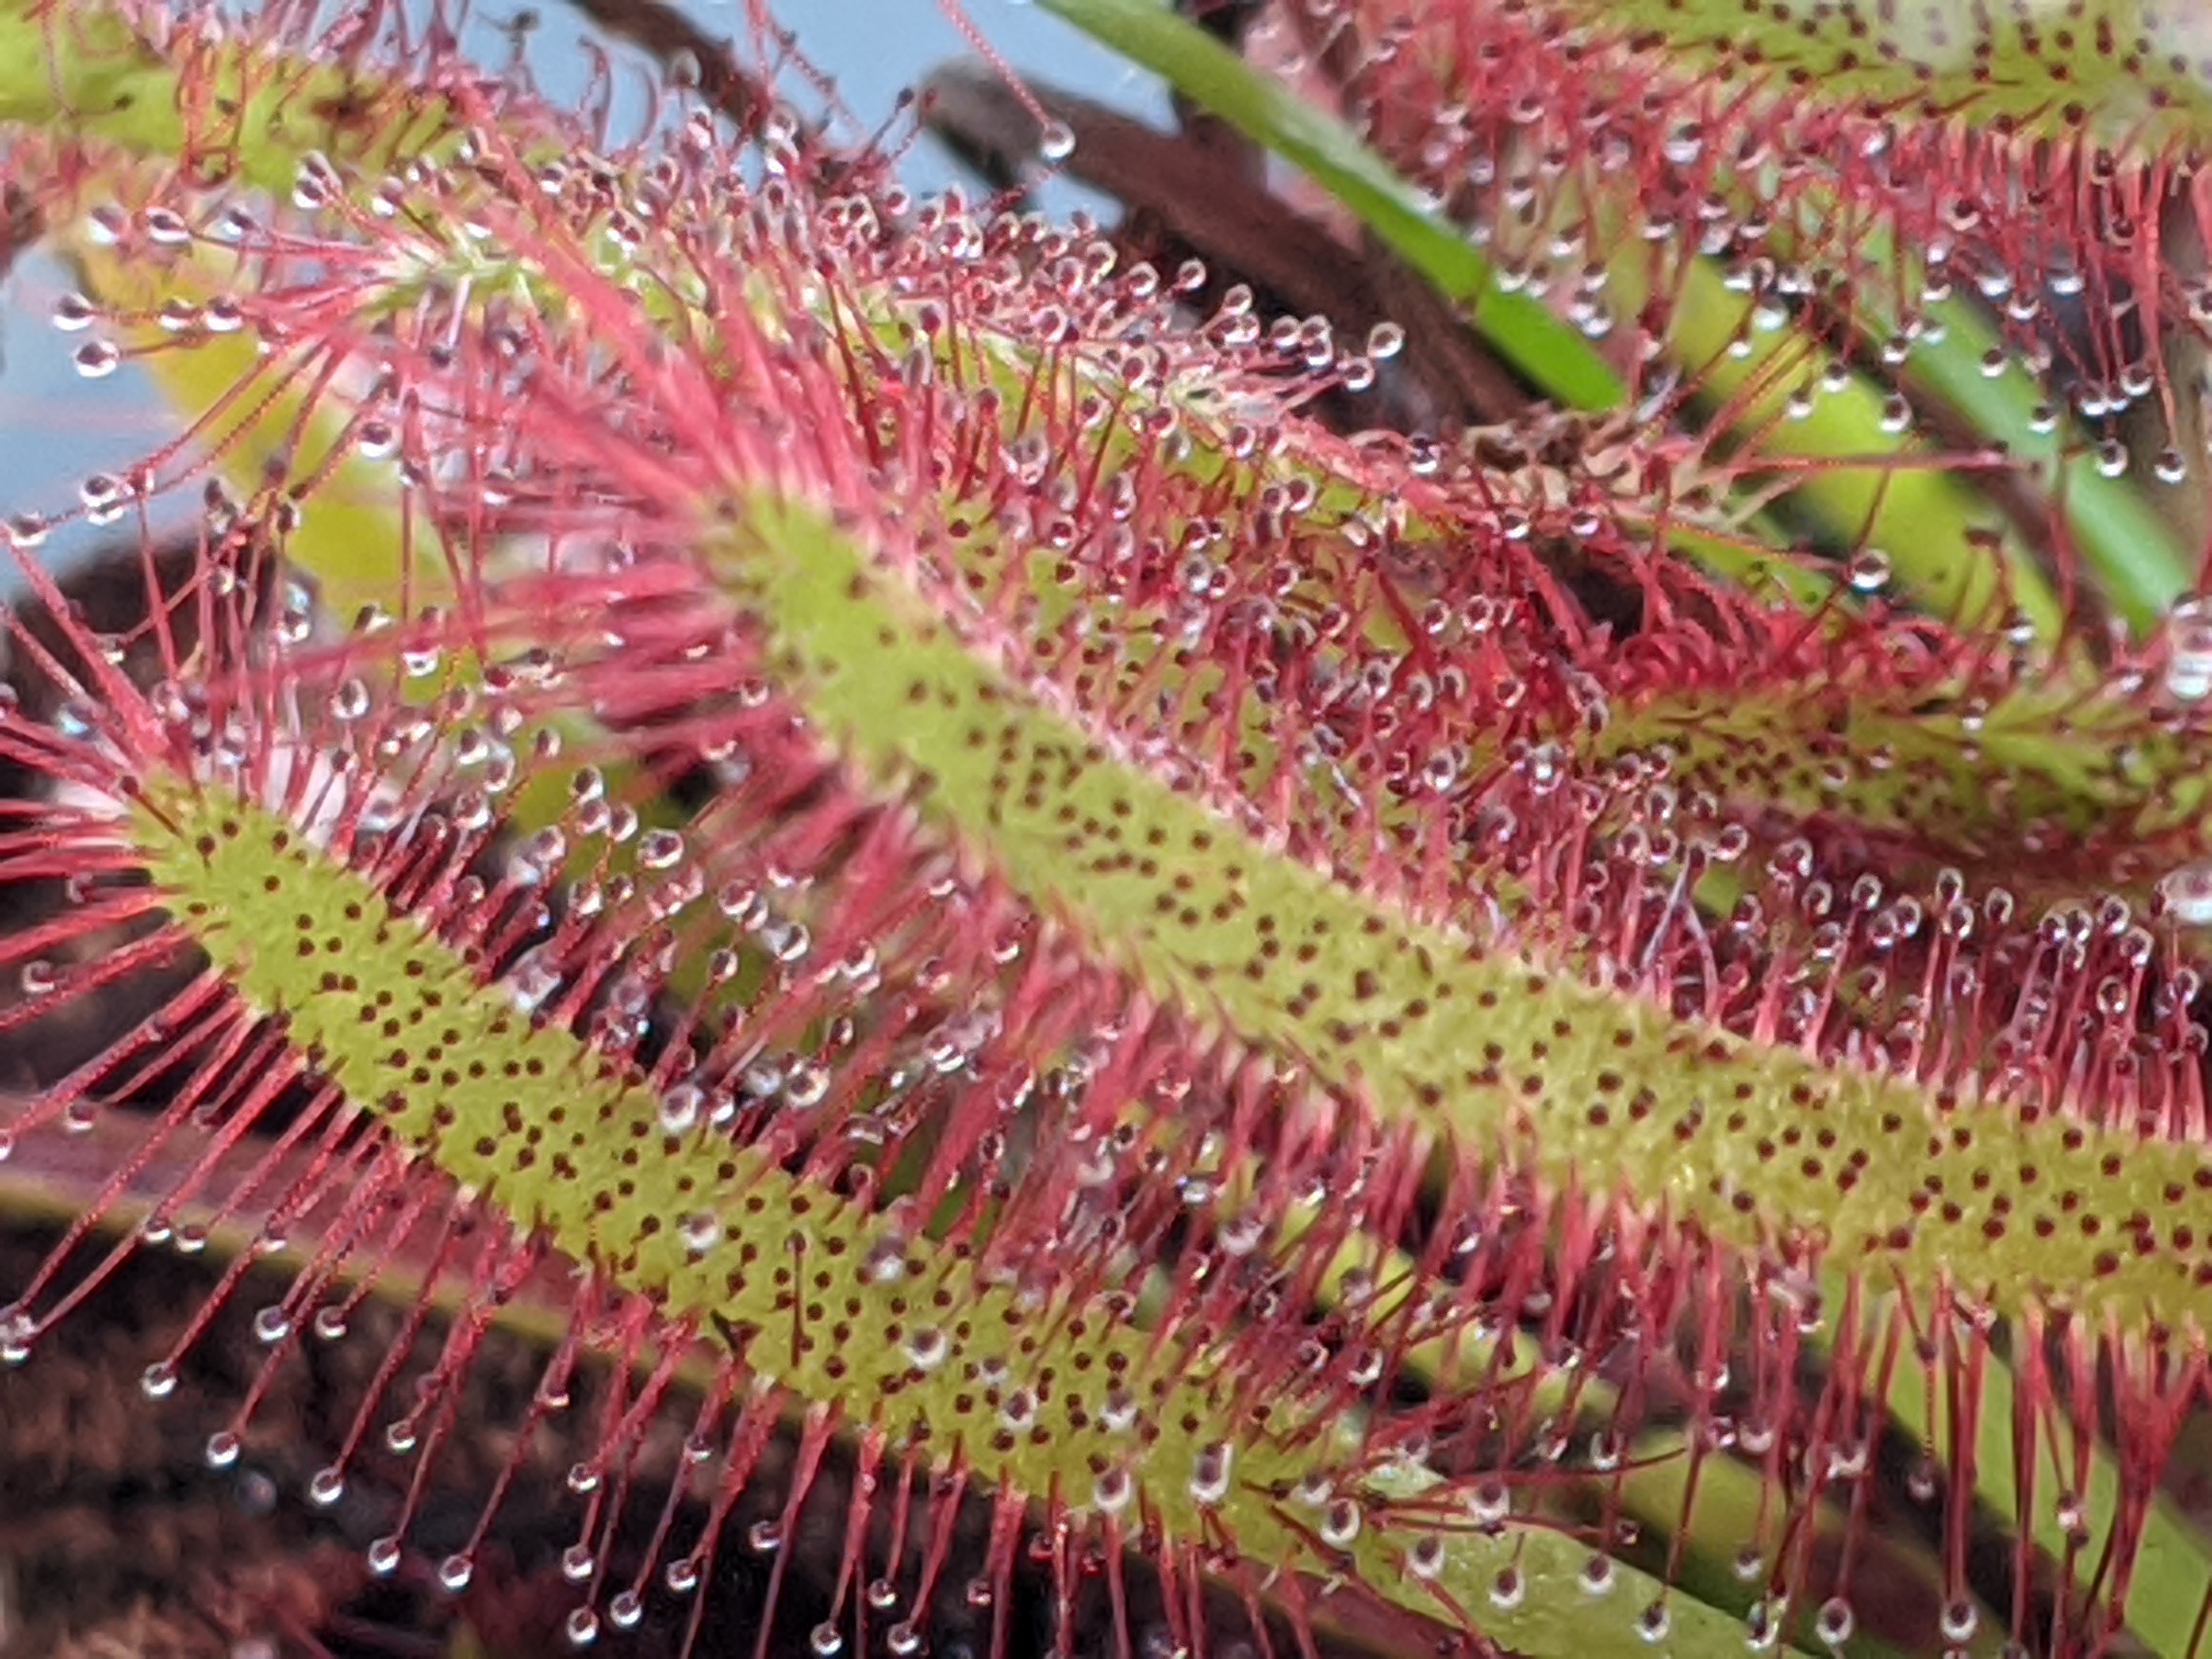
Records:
x=1868, y=571
x=2189, y=649
x=97, y=359
x=1835, y=1622
x=2187, y=896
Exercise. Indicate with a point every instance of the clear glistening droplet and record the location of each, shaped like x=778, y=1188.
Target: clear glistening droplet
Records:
x=2189, y=649
x=96, y=360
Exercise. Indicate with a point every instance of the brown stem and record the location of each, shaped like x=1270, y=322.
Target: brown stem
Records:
x=22, y=224
x=1204, y=198
x=670, y=38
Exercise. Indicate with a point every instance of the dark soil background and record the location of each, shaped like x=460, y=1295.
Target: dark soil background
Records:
x=118, y=1540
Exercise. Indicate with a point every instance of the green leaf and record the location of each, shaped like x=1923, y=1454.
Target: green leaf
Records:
x=1866, y=487
x=1520, y=329
x=86, y=71
x=2119, y=535
x=2133, y=71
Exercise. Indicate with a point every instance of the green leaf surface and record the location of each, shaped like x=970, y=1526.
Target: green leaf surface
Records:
x=83, y=71
x=2138, y=71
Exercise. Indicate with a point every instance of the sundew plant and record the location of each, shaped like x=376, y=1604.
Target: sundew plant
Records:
x=1450, y=899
